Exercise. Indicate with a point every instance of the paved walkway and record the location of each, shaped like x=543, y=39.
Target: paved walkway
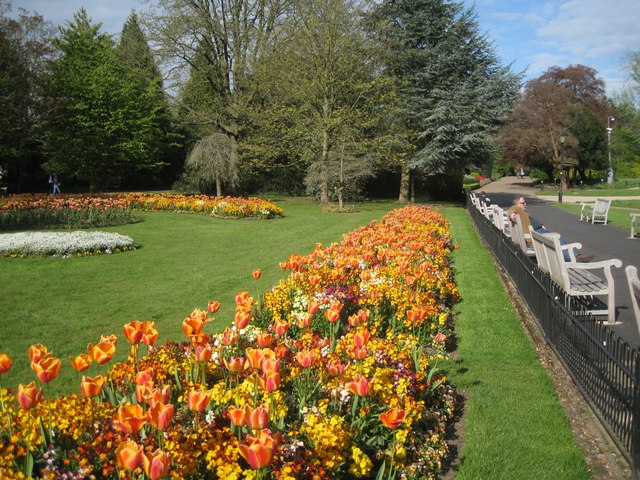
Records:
x=603, y=241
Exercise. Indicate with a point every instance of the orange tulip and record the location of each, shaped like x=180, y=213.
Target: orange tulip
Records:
x=198, y=400
x=314, y=279
x=92, y=387
x=155, y=395
x=270, y=363
x=112, y=339
x=281, y=351
x=156, y=464
x=265, y=340
x=46, y=368
x=242, y=298
x=213, y=306
x=192, y=325
x=257, y=273
x=161, y=415
x=242, y=319
x=359, y=386
x=254, y=357
x=335, y=367
x=230, y=337
x=144, y=377
x=358, y=353
x=101, y=352
x=305, y=358
x=130, y=418
x=149, y=333
x=313, y=307
x=5, y=363
x=305, y=321
x=393, y=417
x=133, y=332
x=239, y=416
x=258, y=418
x=129, y=455
x=280, y=327
x=36, y=351
x=332, y=315
x=80, y=362
x=29, y=395
x=361, y=337
x=256, y=454
x=270, y=381
x=234, y=364
x=204, y=353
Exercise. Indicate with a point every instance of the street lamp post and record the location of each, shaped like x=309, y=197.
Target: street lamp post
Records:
x=563, y=138
x=609, y=129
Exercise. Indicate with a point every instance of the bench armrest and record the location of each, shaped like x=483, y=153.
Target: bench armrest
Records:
x=605, y=265
x=569, y=247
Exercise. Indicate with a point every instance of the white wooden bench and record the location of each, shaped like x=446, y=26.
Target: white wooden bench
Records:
x=577, y=279
x=520, y=238
x=595, y=212
x=500, y=220
x=634, y=289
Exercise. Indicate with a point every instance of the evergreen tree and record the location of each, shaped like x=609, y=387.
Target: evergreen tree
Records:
x=454, y=93
x=102, y=123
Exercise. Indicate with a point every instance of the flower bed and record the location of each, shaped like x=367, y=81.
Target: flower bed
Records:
x=332, y=374
x=64, y=244
x=224, y=207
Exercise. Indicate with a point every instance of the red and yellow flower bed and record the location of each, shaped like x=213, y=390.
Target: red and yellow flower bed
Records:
x=331, y=374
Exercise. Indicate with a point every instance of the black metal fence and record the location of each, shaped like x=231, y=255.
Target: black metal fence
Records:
x=601, y=364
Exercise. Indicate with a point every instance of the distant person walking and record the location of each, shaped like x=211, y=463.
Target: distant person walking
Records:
x=55, y=183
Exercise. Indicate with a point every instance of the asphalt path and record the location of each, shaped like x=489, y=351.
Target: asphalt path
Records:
x=603, y=241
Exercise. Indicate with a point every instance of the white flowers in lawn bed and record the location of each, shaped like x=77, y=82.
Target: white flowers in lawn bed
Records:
x=65, y=244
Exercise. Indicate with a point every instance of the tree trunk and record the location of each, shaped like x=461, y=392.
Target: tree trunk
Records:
x=218, y=186
x=324, y=159
x=405, y=184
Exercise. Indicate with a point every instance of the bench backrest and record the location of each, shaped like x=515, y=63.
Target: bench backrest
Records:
x=601, y=207
x=518, y=236
x=634, y=289
x=549, y=248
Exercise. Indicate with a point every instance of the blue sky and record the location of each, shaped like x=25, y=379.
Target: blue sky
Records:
x=533, y=35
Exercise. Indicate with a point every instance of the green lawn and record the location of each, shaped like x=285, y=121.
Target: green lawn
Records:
x=515, y=427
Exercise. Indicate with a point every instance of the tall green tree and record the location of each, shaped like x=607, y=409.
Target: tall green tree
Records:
x=165, y=142
x=24, y=46
x=324, y=96
x=454, y=93
x=213, y=47
x=102, y=122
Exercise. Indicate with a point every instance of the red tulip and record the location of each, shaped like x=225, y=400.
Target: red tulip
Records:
x=5, y=363
x=204, y=353
x=92, y=387
x=265, y=340
x=393, y=418
x=130, y=418
x=440, y=337
x=230, y=337
x=335, y=367
x=305, y=321
x=280, y=327
x=270, y=363
x=361, y=337
x=313, y=307
x=257, y=273
x=242, y=319
x=314, y=279
x=29, y=395
x=129, y=455
x=156, y=464
x=213, y=306
x=81, y=362
x=358, y=353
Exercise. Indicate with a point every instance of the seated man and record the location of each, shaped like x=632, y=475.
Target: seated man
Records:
x=519, y=208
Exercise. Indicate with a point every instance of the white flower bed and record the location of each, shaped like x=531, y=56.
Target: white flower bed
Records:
x=64, y=244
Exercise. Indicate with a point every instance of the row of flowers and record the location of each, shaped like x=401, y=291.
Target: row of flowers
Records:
x=332, y=373
x=64, y=244
x=46, y=211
